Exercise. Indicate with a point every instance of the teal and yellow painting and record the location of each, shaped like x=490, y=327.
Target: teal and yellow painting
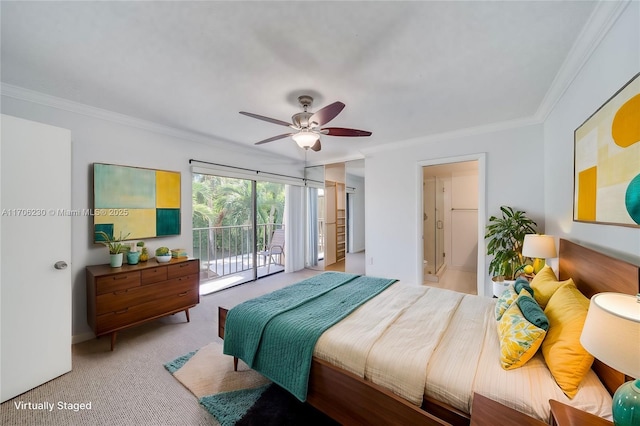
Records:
x=143, y=203
x=607, y=161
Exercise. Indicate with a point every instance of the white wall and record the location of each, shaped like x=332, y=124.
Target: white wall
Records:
x=99, y=140
x=611, y=65
x=514, y=173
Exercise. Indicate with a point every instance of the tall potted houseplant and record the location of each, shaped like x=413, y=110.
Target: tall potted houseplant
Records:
x=505, y=237
x=115, y=246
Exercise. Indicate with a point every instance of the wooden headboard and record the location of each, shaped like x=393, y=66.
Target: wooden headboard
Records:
x=594, y=272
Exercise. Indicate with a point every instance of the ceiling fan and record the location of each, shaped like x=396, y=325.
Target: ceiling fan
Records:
x=308, y=124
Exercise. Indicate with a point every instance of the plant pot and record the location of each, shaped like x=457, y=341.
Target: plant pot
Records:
x=133, y=257
x=163, y=259
x=116, y=260
x=500, y=286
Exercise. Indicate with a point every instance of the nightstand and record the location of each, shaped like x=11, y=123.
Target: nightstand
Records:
x=566, y=415
x=487, y=412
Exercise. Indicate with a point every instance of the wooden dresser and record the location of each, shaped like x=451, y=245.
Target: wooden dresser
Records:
x=118, y=298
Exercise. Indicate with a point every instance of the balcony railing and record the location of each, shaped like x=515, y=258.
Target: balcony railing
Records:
x=228, y=250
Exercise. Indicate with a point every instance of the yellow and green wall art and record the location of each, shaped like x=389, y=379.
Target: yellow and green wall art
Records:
x=143, y=203
x=607, y=161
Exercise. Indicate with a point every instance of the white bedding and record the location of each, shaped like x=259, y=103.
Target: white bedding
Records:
x=394, y=341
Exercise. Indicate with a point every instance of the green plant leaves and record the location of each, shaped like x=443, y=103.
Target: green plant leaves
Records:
x=506, y=236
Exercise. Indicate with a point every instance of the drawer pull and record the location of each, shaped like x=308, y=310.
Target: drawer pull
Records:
x=184, y=264
x=121, y=311
x=120, y=277
x=183, y=294
x=121, y=292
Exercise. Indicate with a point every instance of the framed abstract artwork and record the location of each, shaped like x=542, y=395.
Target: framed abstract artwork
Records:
x=607, y=161
x=143, y=203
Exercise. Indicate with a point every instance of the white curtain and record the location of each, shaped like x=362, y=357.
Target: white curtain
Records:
x=294, y=219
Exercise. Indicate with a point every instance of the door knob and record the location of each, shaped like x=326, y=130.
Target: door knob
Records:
x=61, y=264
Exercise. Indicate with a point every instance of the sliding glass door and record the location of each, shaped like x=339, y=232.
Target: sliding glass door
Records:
x=234, y=221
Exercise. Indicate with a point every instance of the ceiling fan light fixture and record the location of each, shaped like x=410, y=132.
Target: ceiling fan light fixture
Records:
x=305, y=139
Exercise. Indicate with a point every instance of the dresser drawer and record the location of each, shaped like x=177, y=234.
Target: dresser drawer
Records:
x=182, y=268
x=117, y=282
x=177, y=298
x=154, y=275
x=118, y=300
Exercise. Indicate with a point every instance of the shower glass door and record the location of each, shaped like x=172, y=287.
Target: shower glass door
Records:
x=439, y=231
x=433, y=226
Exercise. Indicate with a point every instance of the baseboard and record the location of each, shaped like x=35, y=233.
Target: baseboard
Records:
x=83, y=337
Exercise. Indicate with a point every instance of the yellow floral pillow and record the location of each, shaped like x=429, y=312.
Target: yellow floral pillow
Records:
x=505, y=300
x=544, y=284
x=519, y=339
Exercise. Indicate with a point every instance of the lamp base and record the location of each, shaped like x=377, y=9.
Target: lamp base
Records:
x=626, y=404
x=538, y=264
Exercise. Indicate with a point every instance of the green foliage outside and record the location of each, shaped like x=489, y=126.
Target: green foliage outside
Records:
x=226, y=202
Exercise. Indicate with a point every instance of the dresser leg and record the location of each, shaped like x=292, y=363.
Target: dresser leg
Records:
x=235, y=363
x=113, y=340
x=186, y=311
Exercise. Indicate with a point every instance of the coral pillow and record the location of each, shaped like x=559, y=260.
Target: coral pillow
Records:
x=545, y=284
x=567, y=360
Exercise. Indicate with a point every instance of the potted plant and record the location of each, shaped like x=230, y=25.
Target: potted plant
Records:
x=506, y=236
x=115, y=246
x=163, y=254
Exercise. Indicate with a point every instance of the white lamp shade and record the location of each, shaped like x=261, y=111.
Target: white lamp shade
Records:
x=611, y=331
x=305, y=139
x=539, y=246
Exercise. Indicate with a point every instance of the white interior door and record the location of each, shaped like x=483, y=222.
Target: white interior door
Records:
x=35, y=320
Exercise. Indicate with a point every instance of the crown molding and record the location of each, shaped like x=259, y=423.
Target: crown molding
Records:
x=32, y=96
x=455, y=134
x=603, y=17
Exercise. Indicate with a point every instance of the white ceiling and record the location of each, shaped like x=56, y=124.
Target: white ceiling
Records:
x=403, y=69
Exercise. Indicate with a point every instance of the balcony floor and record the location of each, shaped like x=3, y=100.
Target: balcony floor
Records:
x=231, y=271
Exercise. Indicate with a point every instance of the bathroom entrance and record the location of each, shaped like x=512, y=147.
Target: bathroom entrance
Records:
x=450, y=225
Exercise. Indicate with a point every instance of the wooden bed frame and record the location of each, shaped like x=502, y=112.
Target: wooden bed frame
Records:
x=349, y=399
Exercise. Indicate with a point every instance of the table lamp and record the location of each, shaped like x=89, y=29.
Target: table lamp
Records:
x=611, y=333
x=538, y=247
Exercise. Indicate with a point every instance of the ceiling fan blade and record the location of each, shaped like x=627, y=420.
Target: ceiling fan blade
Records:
x=341, y=131
x=275, y=138
x=316, y=146
x=326, y=114
x=262, y=117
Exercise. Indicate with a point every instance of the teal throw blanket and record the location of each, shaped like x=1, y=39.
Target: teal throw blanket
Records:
x=276, y=334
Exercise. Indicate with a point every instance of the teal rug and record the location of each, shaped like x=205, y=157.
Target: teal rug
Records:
x=267, y=405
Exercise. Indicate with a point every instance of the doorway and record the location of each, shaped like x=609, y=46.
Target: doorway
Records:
x=452, y=213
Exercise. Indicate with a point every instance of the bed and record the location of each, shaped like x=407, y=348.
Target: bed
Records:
x=355, y=393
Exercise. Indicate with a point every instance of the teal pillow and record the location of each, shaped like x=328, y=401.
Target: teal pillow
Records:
x=521, y=283
x=532, y=311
